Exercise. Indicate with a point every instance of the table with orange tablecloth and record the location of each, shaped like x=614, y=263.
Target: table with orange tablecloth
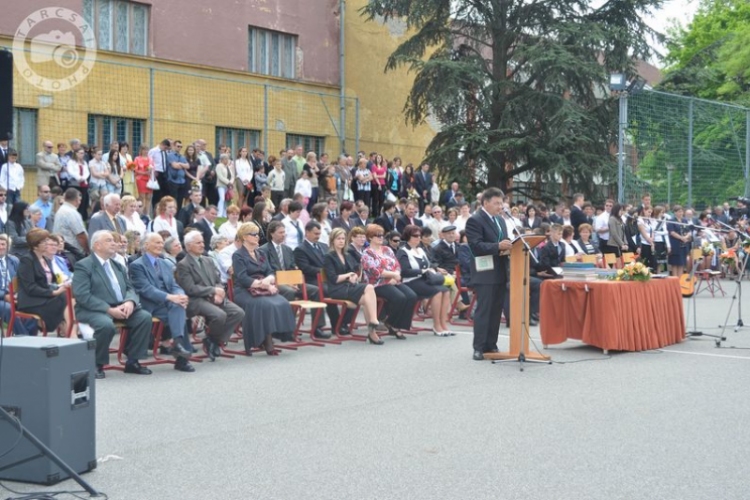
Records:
x=613, y=315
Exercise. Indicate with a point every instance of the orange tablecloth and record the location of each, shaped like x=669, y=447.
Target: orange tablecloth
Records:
x=618, y=316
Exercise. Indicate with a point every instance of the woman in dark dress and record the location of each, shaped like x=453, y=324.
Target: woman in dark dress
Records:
x=267, y=314
x=679, y=242
x=38, y=293
x=343, y=282
x=415, y=265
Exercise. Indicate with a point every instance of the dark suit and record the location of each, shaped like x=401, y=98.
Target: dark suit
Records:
x=550, y=255
x=444, y=257
x=200, y=286
x=356, y=221
x=387, y=224
x=100, y=221
x=577, y=217
x=153, y=285
x=185, y=215
x=310, y=262
x=94, y=295
x=402, y=222
x=423, y=182
x=3, y=159
x=484, y=234
x=533, y=225
x=205, y=228
x=20, y=327
x=346, y=225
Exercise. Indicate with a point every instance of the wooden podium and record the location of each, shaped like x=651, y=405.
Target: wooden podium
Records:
x=519, y=315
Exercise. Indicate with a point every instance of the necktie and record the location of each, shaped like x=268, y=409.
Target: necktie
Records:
x=164, y=161
x=318, y=249
x=202, y=266
x=3, y=274
x=453, y=248
x=113, y=281
x=299, y=232
x=280, y=253
x=499, y=227
x=156, y=266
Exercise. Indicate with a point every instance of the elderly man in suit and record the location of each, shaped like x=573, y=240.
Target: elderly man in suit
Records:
x=47, y=164
x=281, y=258
x=104, y=294
x=200, y=279
x=153, y=280
x=107, y=218
x=8, y=270
x=489, y=269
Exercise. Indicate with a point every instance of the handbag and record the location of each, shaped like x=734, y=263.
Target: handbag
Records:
x=152, y=183
x=260, y=292
x=229, y=194
x=434, y=279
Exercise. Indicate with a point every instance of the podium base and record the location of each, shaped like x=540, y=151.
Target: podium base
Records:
x=516, y=356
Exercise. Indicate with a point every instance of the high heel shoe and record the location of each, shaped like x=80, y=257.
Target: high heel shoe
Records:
x=392, y=331
x=370, y=332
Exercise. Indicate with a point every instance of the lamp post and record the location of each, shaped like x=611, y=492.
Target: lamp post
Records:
x=618, y=83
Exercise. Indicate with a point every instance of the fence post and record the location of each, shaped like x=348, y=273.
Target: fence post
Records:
x=621, y=147
x=747, y=154
x=150, y=107
x=265, y=118
x=690, y=154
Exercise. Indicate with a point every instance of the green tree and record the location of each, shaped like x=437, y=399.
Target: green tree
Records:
x=519, y=87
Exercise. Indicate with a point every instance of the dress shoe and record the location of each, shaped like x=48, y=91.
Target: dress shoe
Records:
x=208, y=347
x=99, y=374
x=478, y=356
x=320, y=334
x=183, y=365
x=494, y=349
x=137, y=369
x=178, y=351
x=533, y=322
x=344, y=331
x=165, y=350
x=216, y=349
x=370, y=332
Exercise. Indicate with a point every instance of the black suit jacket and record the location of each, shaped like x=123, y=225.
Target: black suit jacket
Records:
x=402, y=222
x=356, y=221
x=423, y=182
x=310, y=261
x=3, y=159
x=483, y=236
x=577, y=217
x=205, y=229
x=444, y=257
x=383, y=222
x=269, y=251
x=333, y=268
x=185, y=215
x=33, y=289
x=550, y=256
x=537, y=222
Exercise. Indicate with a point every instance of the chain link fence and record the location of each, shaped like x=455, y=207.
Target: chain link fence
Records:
x=683, y=150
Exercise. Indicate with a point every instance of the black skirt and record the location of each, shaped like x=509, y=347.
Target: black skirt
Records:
x=423, y=289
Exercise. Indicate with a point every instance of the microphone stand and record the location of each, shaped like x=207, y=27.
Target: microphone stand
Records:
x=737, y=296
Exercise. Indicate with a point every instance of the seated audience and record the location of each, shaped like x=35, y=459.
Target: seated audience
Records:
x=153, y=281
x=199, y=278
x=418, y=274
x=8, y=270
x=267, y=314
x=104, y=294
x=381, y=269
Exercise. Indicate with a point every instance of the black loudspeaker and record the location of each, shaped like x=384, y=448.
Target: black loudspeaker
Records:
x=48, y=384
x=6, y=95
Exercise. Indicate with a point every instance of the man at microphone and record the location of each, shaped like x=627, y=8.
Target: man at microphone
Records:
x=488, y=239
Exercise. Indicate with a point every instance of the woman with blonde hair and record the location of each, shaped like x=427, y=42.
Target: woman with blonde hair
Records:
x=165, y=217
x=343, y=282
x=129, y=212
x=267, y=314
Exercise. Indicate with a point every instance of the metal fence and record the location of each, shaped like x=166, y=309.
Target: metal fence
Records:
x=682, y=150
x=143, y=104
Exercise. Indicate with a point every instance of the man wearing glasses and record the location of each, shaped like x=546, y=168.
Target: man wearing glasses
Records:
x=47, y=167
x=43, y=203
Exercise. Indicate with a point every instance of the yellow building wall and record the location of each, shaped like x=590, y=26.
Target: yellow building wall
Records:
x=381, y=95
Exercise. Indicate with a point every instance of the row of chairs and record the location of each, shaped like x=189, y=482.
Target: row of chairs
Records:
x=301, y=308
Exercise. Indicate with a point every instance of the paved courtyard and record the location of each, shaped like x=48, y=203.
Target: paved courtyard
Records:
x=419, y=419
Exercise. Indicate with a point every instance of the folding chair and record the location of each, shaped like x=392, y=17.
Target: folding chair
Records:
x=296, y=278
x=343, y=305
x=157, y=329
x=454, y=307
x=571, y=258
x=610, y=259
x=627, y=257
x=589, y=259
x=709, y=279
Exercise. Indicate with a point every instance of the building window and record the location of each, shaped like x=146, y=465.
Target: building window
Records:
x=309, y=143
x=119, y=25
x=25, y=135
x=271, y=53
x=104, y=130
x=237, y=138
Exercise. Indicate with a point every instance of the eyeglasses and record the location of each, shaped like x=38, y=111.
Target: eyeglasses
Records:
x=396, y=241
x=2, y=195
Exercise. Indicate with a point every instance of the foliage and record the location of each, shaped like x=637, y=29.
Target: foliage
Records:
x=634, y=271
x=520, y=88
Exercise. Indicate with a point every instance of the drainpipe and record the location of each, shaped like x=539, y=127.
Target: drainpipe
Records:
x=342, y=77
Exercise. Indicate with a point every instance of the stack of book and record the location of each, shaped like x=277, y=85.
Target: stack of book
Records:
x=578, y=271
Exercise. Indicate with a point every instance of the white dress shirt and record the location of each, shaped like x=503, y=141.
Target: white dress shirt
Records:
x=12, y=178
x=292, y=240
x=74, y=171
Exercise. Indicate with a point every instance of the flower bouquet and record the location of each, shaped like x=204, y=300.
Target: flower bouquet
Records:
x=635, y=271
x=130, y=166
x=707, y=249
x=729, y=257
